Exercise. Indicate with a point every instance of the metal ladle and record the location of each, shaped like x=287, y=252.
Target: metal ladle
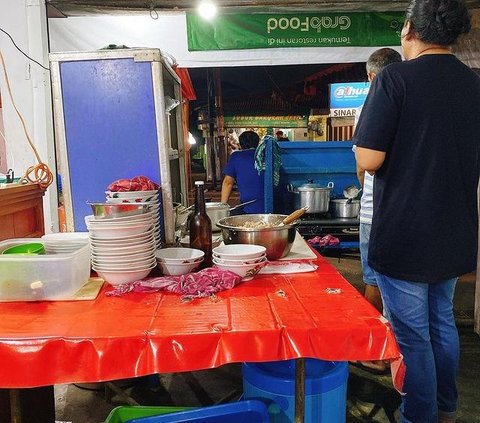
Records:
x=351, y=192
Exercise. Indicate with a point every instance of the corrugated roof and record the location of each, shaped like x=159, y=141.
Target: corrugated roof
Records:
x=82, y=7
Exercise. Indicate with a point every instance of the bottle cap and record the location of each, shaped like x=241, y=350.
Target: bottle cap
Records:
x=199, y=183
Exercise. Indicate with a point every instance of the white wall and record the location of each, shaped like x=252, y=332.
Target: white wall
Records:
x=26, y=22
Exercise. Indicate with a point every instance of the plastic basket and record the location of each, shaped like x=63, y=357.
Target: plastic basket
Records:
x=124, y=414
x=238, y=412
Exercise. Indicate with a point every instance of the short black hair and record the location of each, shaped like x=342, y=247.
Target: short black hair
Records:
x=381, y=58
x=248, y=139
x=438, y=22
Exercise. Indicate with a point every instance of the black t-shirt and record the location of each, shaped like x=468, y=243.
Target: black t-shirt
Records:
x=425, y=114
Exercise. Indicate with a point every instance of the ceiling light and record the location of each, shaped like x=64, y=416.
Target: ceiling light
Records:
x=207, y=9
x=191, y=139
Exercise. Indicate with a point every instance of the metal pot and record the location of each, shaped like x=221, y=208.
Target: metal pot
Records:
x=217, y=211
x=181, y=214
x=344, y=208
x=313, y=196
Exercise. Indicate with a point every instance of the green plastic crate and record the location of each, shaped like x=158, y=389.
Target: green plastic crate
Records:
x=124, y=413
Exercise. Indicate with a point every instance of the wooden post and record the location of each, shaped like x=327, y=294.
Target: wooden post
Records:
x=299, y=390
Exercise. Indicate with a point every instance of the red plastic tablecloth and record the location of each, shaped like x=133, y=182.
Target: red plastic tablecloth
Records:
x=272, y=317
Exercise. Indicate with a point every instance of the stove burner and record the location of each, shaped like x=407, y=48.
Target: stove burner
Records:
x=316, y=216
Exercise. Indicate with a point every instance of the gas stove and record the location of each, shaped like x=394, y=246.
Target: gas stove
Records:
x=345, y=229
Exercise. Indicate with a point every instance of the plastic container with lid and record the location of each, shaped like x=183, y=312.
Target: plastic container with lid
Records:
x=42, y=277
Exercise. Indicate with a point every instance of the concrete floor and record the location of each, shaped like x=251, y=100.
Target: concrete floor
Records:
x=92, y=403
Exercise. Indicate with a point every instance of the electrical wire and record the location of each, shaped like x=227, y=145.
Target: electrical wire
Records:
x=21, y=51
x=41, y=172
x=12, y=162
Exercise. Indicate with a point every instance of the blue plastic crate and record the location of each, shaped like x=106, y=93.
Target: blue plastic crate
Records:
x=239, y=412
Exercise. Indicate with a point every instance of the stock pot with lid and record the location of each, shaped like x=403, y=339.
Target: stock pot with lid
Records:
x=314, y=196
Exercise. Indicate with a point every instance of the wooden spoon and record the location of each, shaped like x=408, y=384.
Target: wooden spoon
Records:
x=294, y=216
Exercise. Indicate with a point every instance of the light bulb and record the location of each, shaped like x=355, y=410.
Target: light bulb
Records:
x=207, y=9
x=191, y=139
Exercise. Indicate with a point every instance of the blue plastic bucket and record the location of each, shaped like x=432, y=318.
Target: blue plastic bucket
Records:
x=274, y=383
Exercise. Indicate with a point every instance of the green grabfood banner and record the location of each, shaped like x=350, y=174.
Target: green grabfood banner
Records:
x=272, y=30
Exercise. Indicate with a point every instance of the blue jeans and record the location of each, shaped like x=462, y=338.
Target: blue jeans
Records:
x=368, y=272
x=422, y=318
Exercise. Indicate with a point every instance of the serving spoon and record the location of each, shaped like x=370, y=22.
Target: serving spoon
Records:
x=294, y=216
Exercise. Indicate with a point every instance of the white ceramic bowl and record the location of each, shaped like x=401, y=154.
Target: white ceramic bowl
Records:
x=239, y=251
x=120, y=277
x=124, y=266
x=124, y=250
x=133, y=194
x=246, y=271
x=108, y=210
x=179, y=255
x=123, y=262
x=239, y=262
x=119, y=231
x=125, y=239
x=151, y=201
x=117, y=254
x=176, y=269
x=145, y=256
x=124, y=219
x=141, y=239
x=114, y=223
x=61, y=237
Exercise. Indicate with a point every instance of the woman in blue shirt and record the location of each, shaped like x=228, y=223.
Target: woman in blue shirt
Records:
x=241, y=170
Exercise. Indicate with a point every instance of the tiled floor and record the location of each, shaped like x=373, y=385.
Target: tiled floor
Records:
x=88, y=403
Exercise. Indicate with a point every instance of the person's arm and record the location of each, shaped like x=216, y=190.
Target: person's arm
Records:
x=227, y=186
x=368, y=159
x=360, y=175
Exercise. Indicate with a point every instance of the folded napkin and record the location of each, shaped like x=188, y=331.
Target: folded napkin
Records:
x=138, y=183
x=324, y=241
x=200, y=284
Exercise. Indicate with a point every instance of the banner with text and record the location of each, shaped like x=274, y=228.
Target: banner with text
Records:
x=271, y=30
x=265, y=121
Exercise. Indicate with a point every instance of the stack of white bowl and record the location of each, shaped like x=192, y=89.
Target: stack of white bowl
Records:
x=123, y=248
x=151, y=197
x=246, y=260
x=178, y=261
x=64, y=242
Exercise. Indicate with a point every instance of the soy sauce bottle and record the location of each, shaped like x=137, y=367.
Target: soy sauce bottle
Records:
x=201, y=226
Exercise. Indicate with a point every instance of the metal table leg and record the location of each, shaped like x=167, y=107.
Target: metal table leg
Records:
x=299, y=390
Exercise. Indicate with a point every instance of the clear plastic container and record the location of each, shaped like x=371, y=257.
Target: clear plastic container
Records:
x=42, y=277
